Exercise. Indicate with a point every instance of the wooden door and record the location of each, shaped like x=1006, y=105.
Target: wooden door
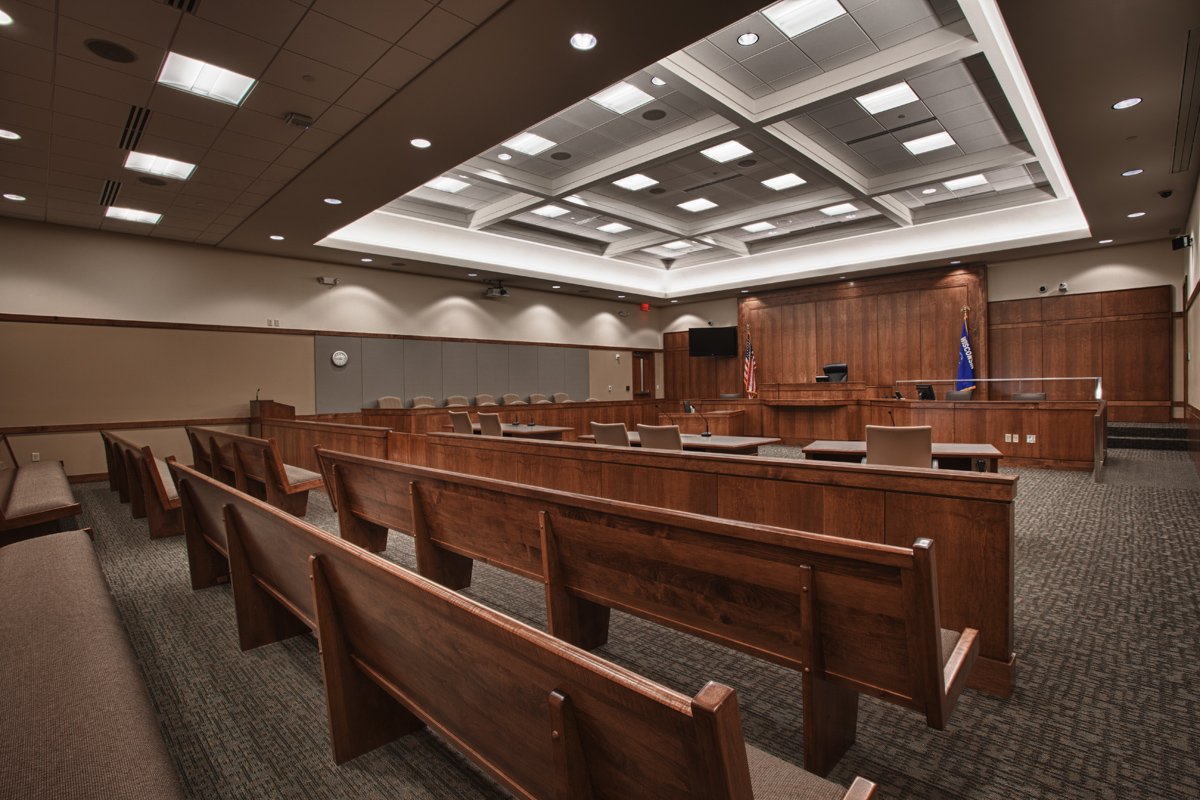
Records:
x=643, y=374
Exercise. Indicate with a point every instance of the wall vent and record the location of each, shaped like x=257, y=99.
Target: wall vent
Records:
x=1189, y=106
x=186, y=6
x=135, y=125
x=108, y=195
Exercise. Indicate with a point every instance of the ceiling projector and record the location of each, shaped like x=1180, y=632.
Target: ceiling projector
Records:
x=496, y=291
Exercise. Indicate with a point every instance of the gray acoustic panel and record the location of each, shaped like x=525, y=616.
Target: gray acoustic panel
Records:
x=339, y=389
x=492, y=369
x=551, y=370
x=575, y=372
x=422, y=370
x=460, y=369
x=523, y=369
x=383, y=370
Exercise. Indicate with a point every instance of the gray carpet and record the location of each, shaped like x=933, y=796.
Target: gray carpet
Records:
x=1108, y=690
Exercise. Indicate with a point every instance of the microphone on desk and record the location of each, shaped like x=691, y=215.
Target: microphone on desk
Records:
x=256, y=391
x=892, y=417
x=707, y=432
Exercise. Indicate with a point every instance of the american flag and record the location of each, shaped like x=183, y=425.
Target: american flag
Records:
x=749, y=368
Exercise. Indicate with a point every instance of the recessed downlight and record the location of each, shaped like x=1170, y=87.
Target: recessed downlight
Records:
x=620, y=297
x=583, y=41
x=658, y=81
x=674, y=301
x=556, y=286
x=1128, y=102
x=955, y=263
x=1129, y=173
x=197, y=77
x=275, y=237
x=16, y=198
x=11, y=135
x=745, y=291
x=928, y=191
x=1105, y=241
x=504, y=156
x=747, y=39
x=419, y=143
x=366, y=260
x=5, y=19
x=333, y=201
x=1136, y=214
x=472, y=274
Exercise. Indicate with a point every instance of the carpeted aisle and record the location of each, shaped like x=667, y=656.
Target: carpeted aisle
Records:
x=1107, y=697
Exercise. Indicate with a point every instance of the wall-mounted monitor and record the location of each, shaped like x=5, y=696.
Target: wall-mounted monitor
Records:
x=720, y=342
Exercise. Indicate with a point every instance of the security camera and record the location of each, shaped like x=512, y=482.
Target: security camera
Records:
x=1062, y=287
x=1165, y=193
x=1042, y=289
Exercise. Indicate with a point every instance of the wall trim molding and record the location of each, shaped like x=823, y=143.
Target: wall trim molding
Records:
x=86, y=427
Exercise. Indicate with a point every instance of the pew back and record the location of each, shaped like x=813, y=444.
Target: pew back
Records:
x=254, y=465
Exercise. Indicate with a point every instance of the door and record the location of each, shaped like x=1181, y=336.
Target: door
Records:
x=643, y=374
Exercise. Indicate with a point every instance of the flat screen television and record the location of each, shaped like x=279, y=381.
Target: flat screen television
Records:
x=720, y=342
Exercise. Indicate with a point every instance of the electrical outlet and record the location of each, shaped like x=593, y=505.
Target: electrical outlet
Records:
x=1030, y=438
x=1008, y=438
x=37, y=456
x=268, y=322
x=276, y=323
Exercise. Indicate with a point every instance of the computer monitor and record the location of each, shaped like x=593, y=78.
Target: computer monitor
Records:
x=836, y=372
x=925, y=391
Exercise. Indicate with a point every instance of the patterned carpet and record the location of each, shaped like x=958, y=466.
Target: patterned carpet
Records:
x=1107, y=699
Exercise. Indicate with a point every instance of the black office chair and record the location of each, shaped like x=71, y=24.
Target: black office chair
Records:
x=835, y=372
x=1029, y=396
x=959, y=394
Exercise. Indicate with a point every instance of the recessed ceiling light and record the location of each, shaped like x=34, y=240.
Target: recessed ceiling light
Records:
x=852, y=216
x=333, y=201
x=366, y=260
x=420, y=144
x=955, y=263
x=583, y=41
x=1136, y=214
x=276, y=237
x=504, y=156
x=132, y=215
x=900, y=94
x=934, y=141
x=839, y=209
x=968, y=182
x=576, y=199
x=159, y=165
x=446, y=184
x=1128, y=102
x=1129, y=173
x=5, y=19
x=492, y=174
x=699, y=204
x=635, y=182
x=1106, y=241
x=726, y=152
x=758, y=227
x=678, y=244
x=745, y=291
x=784, y=182
x=621, y=98
x=13, y=135
x=747, y=39
x=674, y=301
x=556, y=286
x=472, y=274
x=928, y=191
x=841, y=277
x=206, y=80
x=16, y=198
x=794, y=17
x=551, y=211
x=614, y=227
x=620, y=297
x=529, y=143
x=657, y=81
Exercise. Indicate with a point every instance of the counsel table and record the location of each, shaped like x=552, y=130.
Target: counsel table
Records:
x=742, y=445
x=950, y=455
x=530, y=431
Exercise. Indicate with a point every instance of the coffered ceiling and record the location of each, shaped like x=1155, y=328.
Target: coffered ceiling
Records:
x=824, y=177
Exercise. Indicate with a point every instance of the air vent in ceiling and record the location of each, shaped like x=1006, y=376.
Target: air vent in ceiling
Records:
x=713, y=183
x=1189, y=106
x=108, y=196
x=186, y=6
x=135, y=124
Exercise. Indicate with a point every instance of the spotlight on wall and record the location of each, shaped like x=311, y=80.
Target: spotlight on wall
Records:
x=1062, y=287
x=327, y=281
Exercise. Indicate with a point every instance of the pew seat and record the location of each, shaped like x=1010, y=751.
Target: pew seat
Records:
x=78, y=722
x=254, y=466
x=144, y=481
x=34, y=498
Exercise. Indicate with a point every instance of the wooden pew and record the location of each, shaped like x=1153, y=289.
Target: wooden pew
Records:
x=144, y=481
x=543, y=718
x=35, y=498
x=969, y=514
x=853, y=617
x=254, y=466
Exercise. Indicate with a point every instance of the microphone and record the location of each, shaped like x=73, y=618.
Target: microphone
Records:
x=256, y=391
x=892, y=417
x=707, y=432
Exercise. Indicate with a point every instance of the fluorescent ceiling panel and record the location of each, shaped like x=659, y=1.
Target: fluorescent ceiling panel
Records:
x=444, y=184
x=576, y=199
x=699, y=204
x=934, y=141
x=677, y=245
x=727, y=152
x=551, y=211
x=635, y=182
x=841, y=208
x=758, y=227
x=132, y=215
x=965, y=183
x=614, y=227
x=784, y=182
x=795, y=17
x=901, y=94
x=159, y=165
x=206, y=80
x=621, y=98
x=529, y=143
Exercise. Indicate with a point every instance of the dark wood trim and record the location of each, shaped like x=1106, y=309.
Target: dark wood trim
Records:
x=1187, y=306
x=90, y=477
x=84, y=427
x=195, y=326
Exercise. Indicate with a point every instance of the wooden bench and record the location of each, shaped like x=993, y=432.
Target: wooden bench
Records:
x=34, y=498
x=254, y=466
x=78, y=722
x=543, y=718
x=144, y=481
x=853, y=617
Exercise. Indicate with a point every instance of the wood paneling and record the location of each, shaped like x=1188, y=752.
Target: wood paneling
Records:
x=686, y=377
x=571, y=415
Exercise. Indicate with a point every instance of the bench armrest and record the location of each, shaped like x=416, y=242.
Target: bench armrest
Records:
x=957, y=669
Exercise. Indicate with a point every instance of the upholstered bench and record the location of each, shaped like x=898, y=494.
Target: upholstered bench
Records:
x=78, y=722
x=34, y=498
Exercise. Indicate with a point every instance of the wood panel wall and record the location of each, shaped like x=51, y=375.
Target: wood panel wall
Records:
x=692, y=378
x=1124, y=337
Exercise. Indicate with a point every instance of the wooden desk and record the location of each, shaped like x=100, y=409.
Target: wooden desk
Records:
x=726, y=422
x=555, y=432
x=740, y=445
x=945, y=452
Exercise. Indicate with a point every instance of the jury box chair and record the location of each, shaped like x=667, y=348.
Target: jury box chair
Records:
x=485, y=400
x=489, y=424
x=900, y=446
x=423, y=401
x=1029, y=396
x=959, y=394
x=457, y=401
x=461, y=420
x=391, y=401
x=660, y=437
x=511, y=399
x=611, y=433
x=562, y=397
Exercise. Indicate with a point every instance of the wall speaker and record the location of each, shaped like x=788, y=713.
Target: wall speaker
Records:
x=1180, y=242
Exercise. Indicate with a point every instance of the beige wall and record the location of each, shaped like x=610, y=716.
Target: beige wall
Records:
x=721, y=313
x=606, y=370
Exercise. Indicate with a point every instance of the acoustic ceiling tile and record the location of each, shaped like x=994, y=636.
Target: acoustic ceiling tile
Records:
x=709, y=55
x=186, y=106
x=221, y=46
x=93, y=79
x=35, y=26
x=170, y=148
x=22, y=172
x=473, y=11
x=726, y=40
x=436, y=33
x=20, y=89
x=78, y=220
x=268, y=20
x=20, y=117
x=881, y=18
x=27, y=61
x=220, y=178
x=338, y=119
x=262, y=126
x=848, y=56
x=771, y=65
x=336, y=43
x=943, y=79
x=316, y=141
x=296, y=158
x=96, y=152
x=276, y=102
x=178, y=129
x=148, y=22
x=387, y=19
x=230, y=162
x=741, y=78
x=901, y=35
x=72, y=35
x=90, y=169
x=793, y=78
x=365, y=96
x=90, y=106
x=397, y=67
x=835, y=36
x=88, y=130
x=954, y=100
x=248, y=146
x=308, y=76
